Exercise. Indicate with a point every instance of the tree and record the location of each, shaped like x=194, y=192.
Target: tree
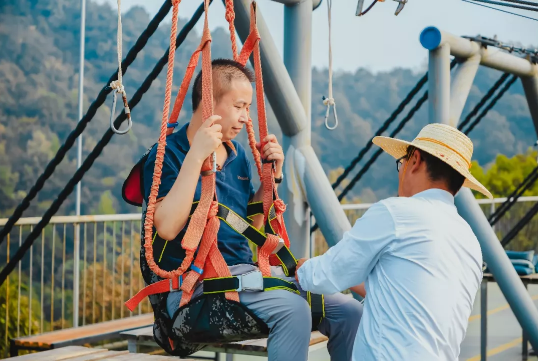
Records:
x=19, y=323
x=501, y=179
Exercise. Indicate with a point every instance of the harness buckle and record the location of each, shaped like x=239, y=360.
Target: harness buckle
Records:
x=252, y=281
x=179, y=282
x=279, y=246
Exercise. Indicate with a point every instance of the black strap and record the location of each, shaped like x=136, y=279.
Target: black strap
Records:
x=317, y=308
x=243, y=227
x=231, y=284
x=254, y=208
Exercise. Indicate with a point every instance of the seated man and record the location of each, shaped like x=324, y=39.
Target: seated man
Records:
x=286, y=314
x=421, y=261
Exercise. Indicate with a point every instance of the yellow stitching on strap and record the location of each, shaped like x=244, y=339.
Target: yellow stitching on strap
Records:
x=282, y=288
x=162, y=252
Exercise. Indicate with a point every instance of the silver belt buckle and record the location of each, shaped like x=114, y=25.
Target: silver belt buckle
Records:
x=252, y=281
x=279, y=246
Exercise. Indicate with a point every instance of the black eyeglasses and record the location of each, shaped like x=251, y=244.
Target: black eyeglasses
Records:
x=399, y=162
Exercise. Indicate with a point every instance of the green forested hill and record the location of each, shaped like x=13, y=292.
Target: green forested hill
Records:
x=38, y=105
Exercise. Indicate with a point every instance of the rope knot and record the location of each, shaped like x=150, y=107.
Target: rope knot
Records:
x=328, y=101
x=280, y=206
x=117, y=86
x=230, y=15
x=213, y=210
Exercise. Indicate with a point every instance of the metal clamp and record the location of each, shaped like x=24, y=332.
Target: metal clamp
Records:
x=214, y=160
x=127, y=112
x=252, y=282
x=279, y=246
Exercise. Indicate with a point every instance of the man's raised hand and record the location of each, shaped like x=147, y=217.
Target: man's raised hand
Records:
x=272, y=151
x=207, y=139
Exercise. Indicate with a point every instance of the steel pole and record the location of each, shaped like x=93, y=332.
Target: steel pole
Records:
x=298, y=62
x=278, y=86
x=530, y=86
x=439, y=84
x=432, y=38
x=505, y=275
x=330, y=215
x=462, y=81
x=76, y=248
x=291, y=116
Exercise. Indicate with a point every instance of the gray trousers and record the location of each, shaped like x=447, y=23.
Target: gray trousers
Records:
x=288, y=317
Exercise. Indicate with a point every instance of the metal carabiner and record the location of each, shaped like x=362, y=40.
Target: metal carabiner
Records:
x=127, y=112
x=330, y=102
x=401, y=4
x=214, y=161
x=360, y=5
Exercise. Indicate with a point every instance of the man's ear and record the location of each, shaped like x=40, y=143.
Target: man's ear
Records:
x=416, y=160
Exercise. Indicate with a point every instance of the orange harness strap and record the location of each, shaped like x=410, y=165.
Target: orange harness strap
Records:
x=252, y=45
x=197, y=225
x=203, y=227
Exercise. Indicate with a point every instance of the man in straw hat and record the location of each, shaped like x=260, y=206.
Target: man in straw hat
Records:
x=419, y=262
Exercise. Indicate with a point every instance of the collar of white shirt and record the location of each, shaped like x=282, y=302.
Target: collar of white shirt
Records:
x=436, y=194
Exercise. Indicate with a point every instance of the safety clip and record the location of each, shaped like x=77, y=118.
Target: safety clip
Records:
x=401, y=4
x=173, y=281
x=330, y=102
x=126, y=109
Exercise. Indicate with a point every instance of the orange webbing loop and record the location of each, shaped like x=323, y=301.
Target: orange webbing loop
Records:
x=247, y=48
x=265, y=170
x=148, y=224
x=230, y=17
x=198, y=220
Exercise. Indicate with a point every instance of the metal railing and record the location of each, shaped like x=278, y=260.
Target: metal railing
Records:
x=524, y=241
x=38, y=296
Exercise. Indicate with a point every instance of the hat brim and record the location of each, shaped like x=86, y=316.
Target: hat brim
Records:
x=398, y=148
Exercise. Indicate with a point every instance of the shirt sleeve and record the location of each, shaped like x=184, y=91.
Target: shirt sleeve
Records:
x=170, y=171
x=349, y=262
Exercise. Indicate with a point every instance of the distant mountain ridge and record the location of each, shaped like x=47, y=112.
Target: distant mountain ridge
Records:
x=38, y=105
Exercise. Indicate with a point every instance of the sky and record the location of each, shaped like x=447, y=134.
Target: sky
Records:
x=378, y=41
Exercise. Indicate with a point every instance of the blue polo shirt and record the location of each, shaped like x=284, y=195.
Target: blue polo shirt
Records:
x=234, y=189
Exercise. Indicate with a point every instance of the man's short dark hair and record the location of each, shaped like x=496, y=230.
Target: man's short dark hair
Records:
x=224, y=72
x=439, y=170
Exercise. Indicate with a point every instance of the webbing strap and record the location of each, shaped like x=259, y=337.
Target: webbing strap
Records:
x=239, y=225
x=317, y=307
x=222, y=285
x=254, y=208
x=162, y=286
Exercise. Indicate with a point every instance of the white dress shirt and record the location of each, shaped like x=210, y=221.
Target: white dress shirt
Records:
x=422, y=265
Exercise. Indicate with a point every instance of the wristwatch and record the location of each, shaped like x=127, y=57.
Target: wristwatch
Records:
x=279, y=179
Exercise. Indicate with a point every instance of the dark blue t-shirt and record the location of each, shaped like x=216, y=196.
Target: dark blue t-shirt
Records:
x=234, y=189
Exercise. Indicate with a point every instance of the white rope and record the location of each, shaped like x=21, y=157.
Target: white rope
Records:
x=329, y=102
x=117, y=85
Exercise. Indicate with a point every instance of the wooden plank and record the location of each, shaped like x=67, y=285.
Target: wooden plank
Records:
x=256, y=347
x=138, y=333
x=316, y=337
x=81, y=334
x=99, y=356
x=57, y=354
x=143, y=357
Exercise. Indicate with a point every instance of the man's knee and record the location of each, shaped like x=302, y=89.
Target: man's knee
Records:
x=350, y=313
x=294, y=310
x=353, y=308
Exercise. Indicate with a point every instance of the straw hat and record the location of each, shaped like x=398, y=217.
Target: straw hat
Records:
x=444, y=142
